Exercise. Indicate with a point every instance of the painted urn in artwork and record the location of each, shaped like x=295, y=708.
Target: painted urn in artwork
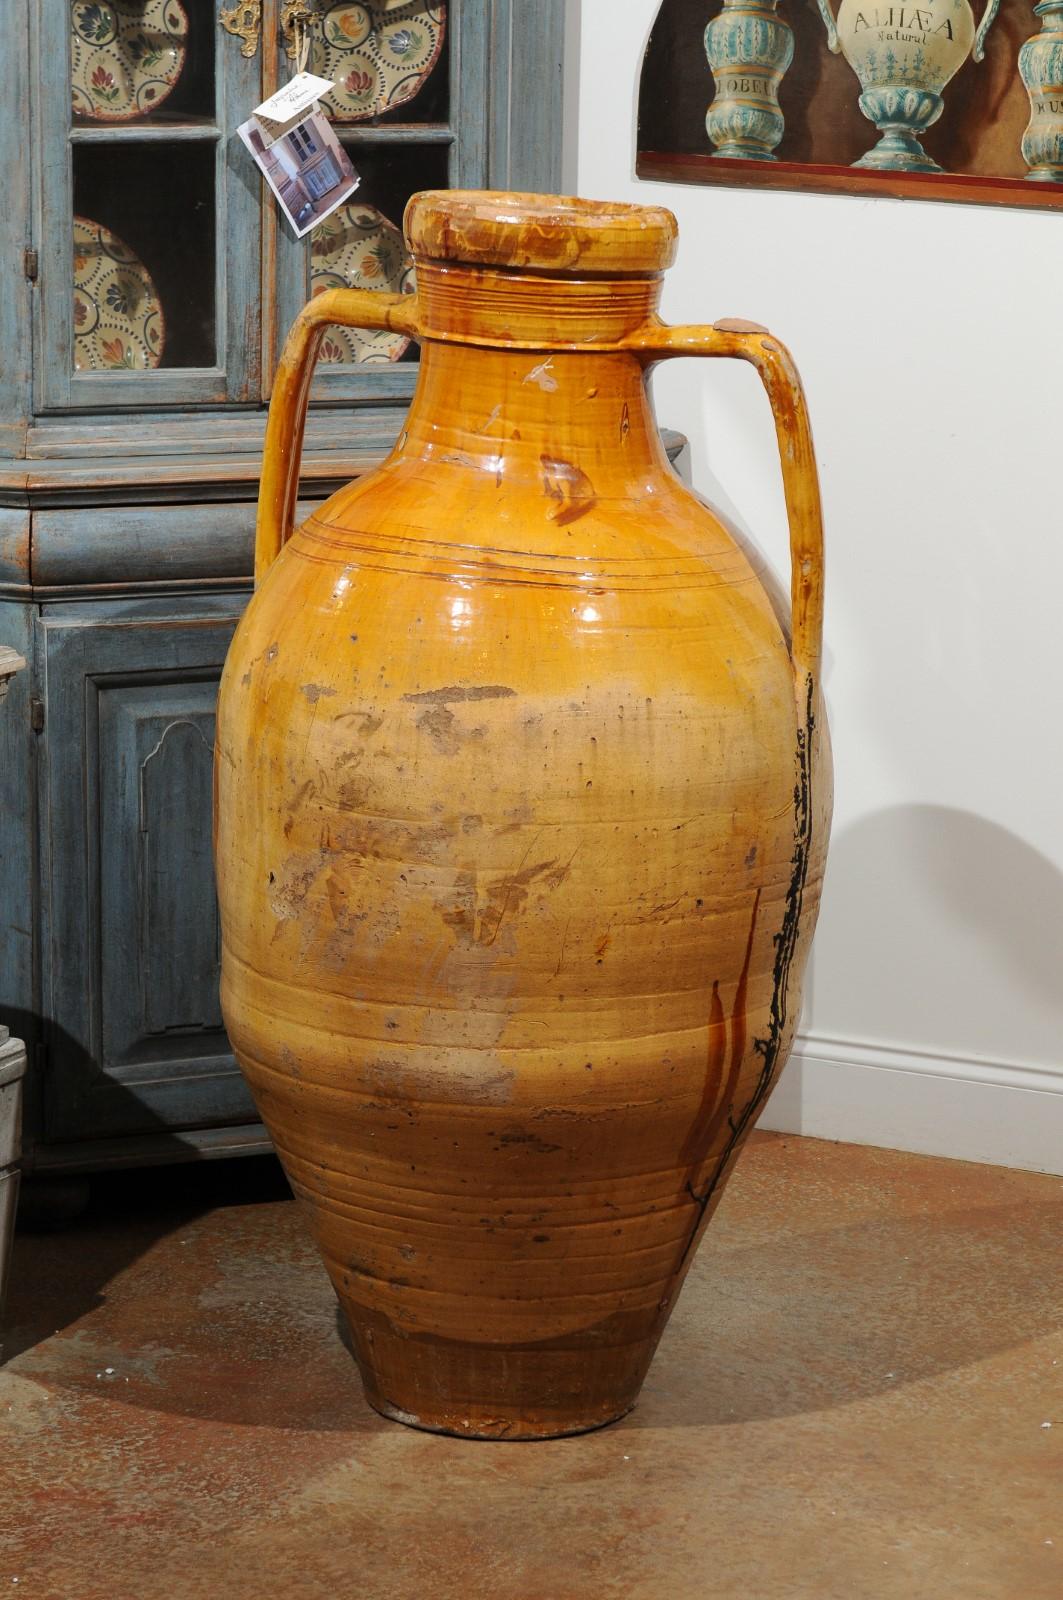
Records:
x=523, y=792
x=905, y=56
x=1041, y=66
x=749, y=47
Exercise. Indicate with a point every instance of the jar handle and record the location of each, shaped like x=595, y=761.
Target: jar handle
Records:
x=282, y=456
x=749, y=342
x=834, y=44
x=983, y=29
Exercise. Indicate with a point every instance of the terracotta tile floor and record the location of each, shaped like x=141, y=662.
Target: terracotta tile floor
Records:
x=851, y=1402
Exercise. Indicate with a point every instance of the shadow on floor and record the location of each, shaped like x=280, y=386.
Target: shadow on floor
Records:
x=816, y=1321
x=77, y=1229
x=60, y=1274
x=193, y=1292
x=210, y=1302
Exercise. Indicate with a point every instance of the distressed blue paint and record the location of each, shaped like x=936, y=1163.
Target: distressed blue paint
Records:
x=524, y=81
x=16, y=297
x=14, y=551
x=146, y=544
x=19, y=873
x=17, y=850
x=121, y=1059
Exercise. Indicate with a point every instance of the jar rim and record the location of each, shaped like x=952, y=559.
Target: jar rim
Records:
x=563, y=234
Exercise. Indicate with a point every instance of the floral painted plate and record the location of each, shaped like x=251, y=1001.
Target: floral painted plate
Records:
x=378, y=54
x=118, y=320
x=357, y=248
x=125, y=56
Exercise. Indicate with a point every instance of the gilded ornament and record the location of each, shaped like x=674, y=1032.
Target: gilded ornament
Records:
x=244, y=21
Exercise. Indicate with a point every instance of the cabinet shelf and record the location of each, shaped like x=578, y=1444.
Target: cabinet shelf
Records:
x=396, y=133
x=208, y=132
x=145, y=133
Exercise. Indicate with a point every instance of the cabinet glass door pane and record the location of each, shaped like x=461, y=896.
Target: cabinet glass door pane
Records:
x=144, y=254
x=409, y=107
x=149, y=243
x=388, y=60
x=131, y=60
x=361, y=246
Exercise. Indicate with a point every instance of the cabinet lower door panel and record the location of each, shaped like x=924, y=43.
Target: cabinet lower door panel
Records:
x=136, y=1042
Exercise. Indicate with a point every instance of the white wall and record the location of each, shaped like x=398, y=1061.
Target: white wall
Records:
x=930, y=338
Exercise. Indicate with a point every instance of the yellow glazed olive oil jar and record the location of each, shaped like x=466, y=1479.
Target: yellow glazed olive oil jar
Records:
x=523, y=796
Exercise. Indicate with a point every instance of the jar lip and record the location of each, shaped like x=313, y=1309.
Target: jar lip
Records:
x=563, y=234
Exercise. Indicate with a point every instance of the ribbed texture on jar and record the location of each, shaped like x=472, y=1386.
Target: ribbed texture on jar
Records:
x=472, y=305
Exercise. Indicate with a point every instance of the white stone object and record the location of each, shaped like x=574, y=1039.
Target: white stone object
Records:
x=10, y=663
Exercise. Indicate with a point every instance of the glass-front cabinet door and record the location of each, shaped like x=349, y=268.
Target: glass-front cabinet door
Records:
x=148, y=228
x=168, y=277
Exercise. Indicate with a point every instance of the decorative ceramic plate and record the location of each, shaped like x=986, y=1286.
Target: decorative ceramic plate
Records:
x=125, y=56
x=378, y=53
x=357, y=248
x=117, y=316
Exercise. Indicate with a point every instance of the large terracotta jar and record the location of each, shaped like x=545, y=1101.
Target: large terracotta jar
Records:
x=522, y=807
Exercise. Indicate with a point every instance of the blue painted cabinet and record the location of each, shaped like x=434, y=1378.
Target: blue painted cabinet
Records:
x=130, y=926
x=149, y=282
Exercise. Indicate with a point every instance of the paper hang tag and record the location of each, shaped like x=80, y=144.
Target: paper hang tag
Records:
x=304, y=164
x=290, y=104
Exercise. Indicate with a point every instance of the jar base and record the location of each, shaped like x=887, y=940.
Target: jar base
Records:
x=538, y=1389
x=898, y=151
x=739, y=152
x=1045, y=175
x=512, y=1429
x=894, y=163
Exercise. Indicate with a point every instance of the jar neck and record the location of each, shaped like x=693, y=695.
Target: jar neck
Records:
x=521, y=369
x=534, y=310
x=541, y=418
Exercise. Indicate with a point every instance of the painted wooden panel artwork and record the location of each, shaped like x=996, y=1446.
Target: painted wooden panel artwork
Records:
x=928, y=99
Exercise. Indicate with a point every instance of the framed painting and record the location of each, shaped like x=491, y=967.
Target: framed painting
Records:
x=933, y=99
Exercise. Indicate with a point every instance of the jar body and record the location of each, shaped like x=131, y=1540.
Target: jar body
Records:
x=916, y=47
x=519, y=850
